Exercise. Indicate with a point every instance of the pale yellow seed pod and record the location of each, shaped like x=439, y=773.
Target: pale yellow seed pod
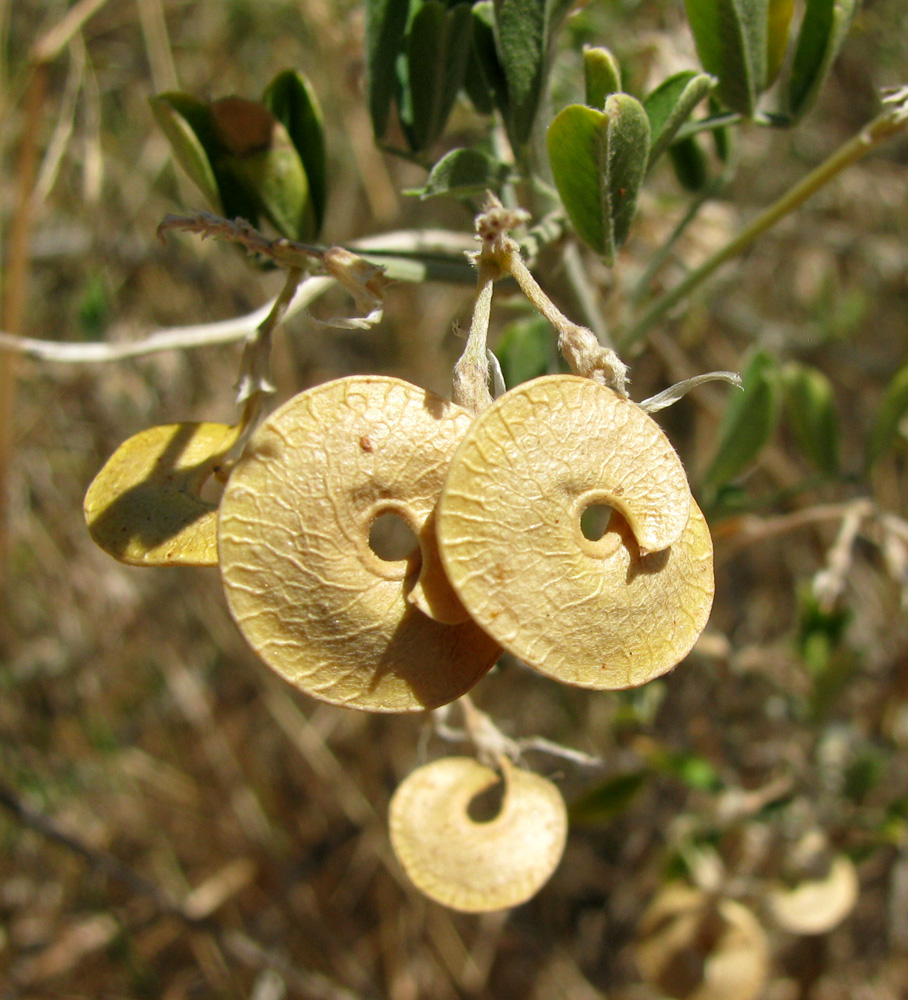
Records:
x=469, y=865
x=692, y=946
x=304, y=586
x=607, y=613
x=144, y=507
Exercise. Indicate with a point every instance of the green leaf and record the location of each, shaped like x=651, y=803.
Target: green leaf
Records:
x=188, y=125
x=889, y=416
x=749, y=420
x=464, y=173
x=260, y=169
x=598, y=161
x=731, y=40
x=777, y=25
x=601, y=75
x=811, y=413
x=438, y=45
x=689, y=163
x=522, y=32
x=291, y=100
x=823, y=30
x=609, y=799
x=526, y=351
x=669, y=106
x=484, y=53
x=386, y=21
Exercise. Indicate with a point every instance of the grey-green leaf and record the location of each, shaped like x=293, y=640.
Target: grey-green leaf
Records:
x=731, y=40
x=438, y=46
x=598, y=161
x=385, y=24
x=290, y=98
x=601, y=75
x=670, y=105
x=188, y=125
x=689, y=163
x=749, y=421
x=522, y=32
x=464, y=173
x=823, y=30
x=889, y=416
x=811, y=414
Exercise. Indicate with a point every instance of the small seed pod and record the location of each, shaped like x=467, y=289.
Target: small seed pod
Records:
x=611, y=612
x=477, y=866
x=144, y=506
x=302, y=582
x=693, y=946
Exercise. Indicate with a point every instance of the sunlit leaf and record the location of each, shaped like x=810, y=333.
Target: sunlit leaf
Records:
x=823, y=30
x=189, y=127
x=144, y=506
x=291, y=100
x=260, y=164
x=730, y=36
x=669, y=106
x=464, y=173
x=601, y=75
x=778, y=23
x=598, y=161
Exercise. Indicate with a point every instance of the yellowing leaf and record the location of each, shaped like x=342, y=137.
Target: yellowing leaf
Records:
x=144, y=506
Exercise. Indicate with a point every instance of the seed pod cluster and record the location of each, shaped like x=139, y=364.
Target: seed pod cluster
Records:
x=494, y=503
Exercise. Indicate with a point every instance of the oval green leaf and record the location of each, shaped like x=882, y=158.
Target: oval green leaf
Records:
x=464, y=173
x=778, y=23
x=731, y=40
x=889, y=416
x=188, y=125
x=749, y=421
x=669, y=106
x=598, y=161
x=438, y=46
x=601, y=75
x=386, y=21
x=811, y=414
x=290, y=98
x=823, y=30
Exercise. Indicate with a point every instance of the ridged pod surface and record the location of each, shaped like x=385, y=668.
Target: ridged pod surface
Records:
x=477, y=866
x=595, y=613
x=302, y=582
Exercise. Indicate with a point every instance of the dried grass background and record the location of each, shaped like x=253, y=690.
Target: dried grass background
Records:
x=178, y=823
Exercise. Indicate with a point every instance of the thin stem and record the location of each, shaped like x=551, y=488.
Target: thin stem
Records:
x=881, y=128
x=471, y=372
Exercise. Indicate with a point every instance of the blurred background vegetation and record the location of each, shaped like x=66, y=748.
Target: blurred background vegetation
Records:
x=178, y=822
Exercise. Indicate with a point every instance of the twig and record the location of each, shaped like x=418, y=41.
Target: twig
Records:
x=883, y=127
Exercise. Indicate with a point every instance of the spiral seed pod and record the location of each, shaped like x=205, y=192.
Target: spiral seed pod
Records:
x=693, y=946
x=477, y=866
x=612, y=612
x=302, y=582
x=144, y=506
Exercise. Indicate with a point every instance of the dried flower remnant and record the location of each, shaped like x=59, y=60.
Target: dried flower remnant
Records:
x=469, y=865
x=606, y=613
x=302, y=582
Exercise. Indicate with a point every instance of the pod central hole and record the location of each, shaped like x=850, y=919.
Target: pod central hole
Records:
x=594, y=521
x=486, y=805
x=391, y=538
